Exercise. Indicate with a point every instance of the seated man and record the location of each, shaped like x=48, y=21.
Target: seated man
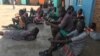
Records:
x=53, y=15
x=93, y=34
x=62, y=13
x=20, y=24
x=66, y=25
x=20, y=34
x=15, y=19
x=75, y=44
x=32, y=15
x=77, y=36
x=39, y=16
x=20, y=20
x=38, y=19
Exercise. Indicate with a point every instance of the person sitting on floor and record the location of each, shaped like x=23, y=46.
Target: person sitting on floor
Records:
x=75, y=44
x=32, y=15
x=39, y=16
x=21, y=34
x=62, y=14
x=77, y=32
x=63, y=22
x=93, y=34
x=52, y=15
x=65, y=25
x=15, y=19
x=20, y=21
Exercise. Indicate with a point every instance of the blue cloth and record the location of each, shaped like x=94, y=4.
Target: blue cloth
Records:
x=63, y=33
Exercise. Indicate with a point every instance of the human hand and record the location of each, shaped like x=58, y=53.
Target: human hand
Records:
x=47, y=23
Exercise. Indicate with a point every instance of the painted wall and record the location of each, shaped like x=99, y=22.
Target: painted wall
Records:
x=41, y=1
x=34, y=2
x=67, y=4
x=18, y=2
x=23, y=2
x=5, y=1
x=57, y=4
x=1, y=2
x=88, y=8
x=97, y=15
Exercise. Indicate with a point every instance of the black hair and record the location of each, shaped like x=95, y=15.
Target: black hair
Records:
x=80, y=11
x=70, y=8
x=93, y=26
x=21, y=12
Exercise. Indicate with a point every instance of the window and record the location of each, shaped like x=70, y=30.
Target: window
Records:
x=71, y=2
x=79, y=2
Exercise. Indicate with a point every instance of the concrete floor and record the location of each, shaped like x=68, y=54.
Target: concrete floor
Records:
x=10, y=47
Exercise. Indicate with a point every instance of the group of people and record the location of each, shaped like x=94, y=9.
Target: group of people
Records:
x=20, y=22
x=68, y=29
x=69, y=33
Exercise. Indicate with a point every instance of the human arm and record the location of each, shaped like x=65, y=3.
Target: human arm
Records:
x=79, y=37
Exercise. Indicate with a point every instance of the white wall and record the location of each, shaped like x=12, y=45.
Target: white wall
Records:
x=66, y=4
x=1, y=2
x=71, y=2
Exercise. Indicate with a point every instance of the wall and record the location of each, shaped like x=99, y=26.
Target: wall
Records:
x=57, y=4
x=66, y=4
x=88, y=8
x=23, y=2
x=1, y=2
x=41, y=1
x=18, y=2
x=34, y=2
x=97, y=15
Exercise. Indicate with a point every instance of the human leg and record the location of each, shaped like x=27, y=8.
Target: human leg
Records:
x=53, y=47
x=1, y=33
x=14, y=21
x=54, y=31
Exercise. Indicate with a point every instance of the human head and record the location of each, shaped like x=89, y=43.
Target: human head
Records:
x=62, y=11
x=80, y=12
x=93, y=26
x=21, y=12
x=70, y=8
